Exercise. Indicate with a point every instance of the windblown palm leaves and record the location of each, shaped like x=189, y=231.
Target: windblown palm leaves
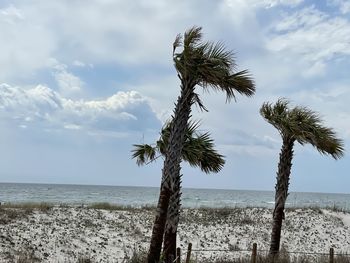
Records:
x=208, y=65
x=198, y=149
x=304, y=126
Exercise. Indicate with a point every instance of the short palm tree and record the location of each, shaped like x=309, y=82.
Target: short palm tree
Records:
x=198, y=151
x=207, y=65
x=298, y=124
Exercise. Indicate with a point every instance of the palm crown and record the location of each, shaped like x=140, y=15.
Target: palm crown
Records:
x=198, y=149
x=209, y=65
x=302, y=125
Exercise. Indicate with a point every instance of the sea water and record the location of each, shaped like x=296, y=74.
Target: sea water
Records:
x=148, y=196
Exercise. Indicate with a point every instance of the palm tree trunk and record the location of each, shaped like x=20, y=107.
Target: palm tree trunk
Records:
x=171, y=167
x=283, y=174
x=172, y=222
x=158, y=225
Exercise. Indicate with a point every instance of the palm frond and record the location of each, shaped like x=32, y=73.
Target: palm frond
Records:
x=217, y=52
x=242, y=83
x=276, y=115
x=144, y=153
x=215, y=72
x=196, y=100
x=210, y=65
x=192, y=128
x=177, y=43
x=192, y=37
x=304, y=126
x=199, y=152
x=308, y=127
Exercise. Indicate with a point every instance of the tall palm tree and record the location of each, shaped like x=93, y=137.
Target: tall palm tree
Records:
x=298, y=124
x=198, y=151
x=203, y=64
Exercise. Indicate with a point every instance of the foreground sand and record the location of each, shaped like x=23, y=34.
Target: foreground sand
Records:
x=67, y=234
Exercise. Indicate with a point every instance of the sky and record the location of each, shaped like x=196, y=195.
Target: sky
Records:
x=82, y=81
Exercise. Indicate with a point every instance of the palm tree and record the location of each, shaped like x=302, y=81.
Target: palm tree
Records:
x=301, y=125
x=198, y=151
x=207, y=65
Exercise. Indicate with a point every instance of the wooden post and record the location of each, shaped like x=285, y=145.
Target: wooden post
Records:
x=331, y=255
x=178, y=255
x=189, y=249
x=254, y=252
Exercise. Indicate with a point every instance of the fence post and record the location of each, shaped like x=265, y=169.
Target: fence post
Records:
x=189, y=249
x=178, y=255
x=254, y=252
x=331, y=255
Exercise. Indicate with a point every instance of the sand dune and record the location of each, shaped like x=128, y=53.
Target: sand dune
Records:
x=66, y=234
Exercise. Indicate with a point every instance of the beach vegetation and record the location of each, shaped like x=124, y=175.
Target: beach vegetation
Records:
x=12, y=211
x=109, y=206
x=42, y=206
x=23, y=256
x=298, y=124
x=119, y=207
x=210, y=66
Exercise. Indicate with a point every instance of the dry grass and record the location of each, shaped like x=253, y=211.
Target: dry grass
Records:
x=111, y=207
x=29, y=206
x=10, y=212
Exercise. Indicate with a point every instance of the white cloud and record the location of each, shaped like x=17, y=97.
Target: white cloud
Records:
x=331, y=102
x=124, y=111
x=78, y=63
x=274, y=3
x=68, y=83
x=25, y=47
x=10, y=14
x=107, y=31
x=311, y=36
x=72, y=127
x=248, y=150
x=343, y=5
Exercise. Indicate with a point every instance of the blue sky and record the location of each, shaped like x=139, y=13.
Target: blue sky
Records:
x=81, y=81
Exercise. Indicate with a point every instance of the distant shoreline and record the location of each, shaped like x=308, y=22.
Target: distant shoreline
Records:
x=146, y=196
x=157, y=187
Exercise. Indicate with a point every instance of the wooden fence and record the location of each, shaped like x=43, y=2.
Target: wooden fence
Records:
x=254, y=253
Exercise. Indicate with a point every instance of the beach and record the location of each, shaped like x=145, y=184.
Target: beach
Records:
x=106, y=233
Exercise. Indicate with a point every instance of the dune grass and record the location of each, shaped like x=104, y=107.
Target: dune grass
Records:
x=42, y=206
x=109, y=206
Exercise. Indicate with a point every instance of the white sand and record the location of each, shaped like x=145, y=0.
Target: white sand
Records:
x=64, y=234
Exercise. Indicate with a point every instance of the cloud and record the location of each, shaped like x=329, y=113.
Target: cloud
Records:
x=78, y=63
x=25, y=47
x=312, y=36
x=343, y=5
x=330, y=100
x=274, y=3
x=40, y=106
x=109, y=31
x=248, y=143
x=68, y=83
x=10, y=14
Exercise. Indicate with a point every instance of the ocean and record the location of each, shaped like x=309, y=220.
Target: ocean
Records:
x=148, y=196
